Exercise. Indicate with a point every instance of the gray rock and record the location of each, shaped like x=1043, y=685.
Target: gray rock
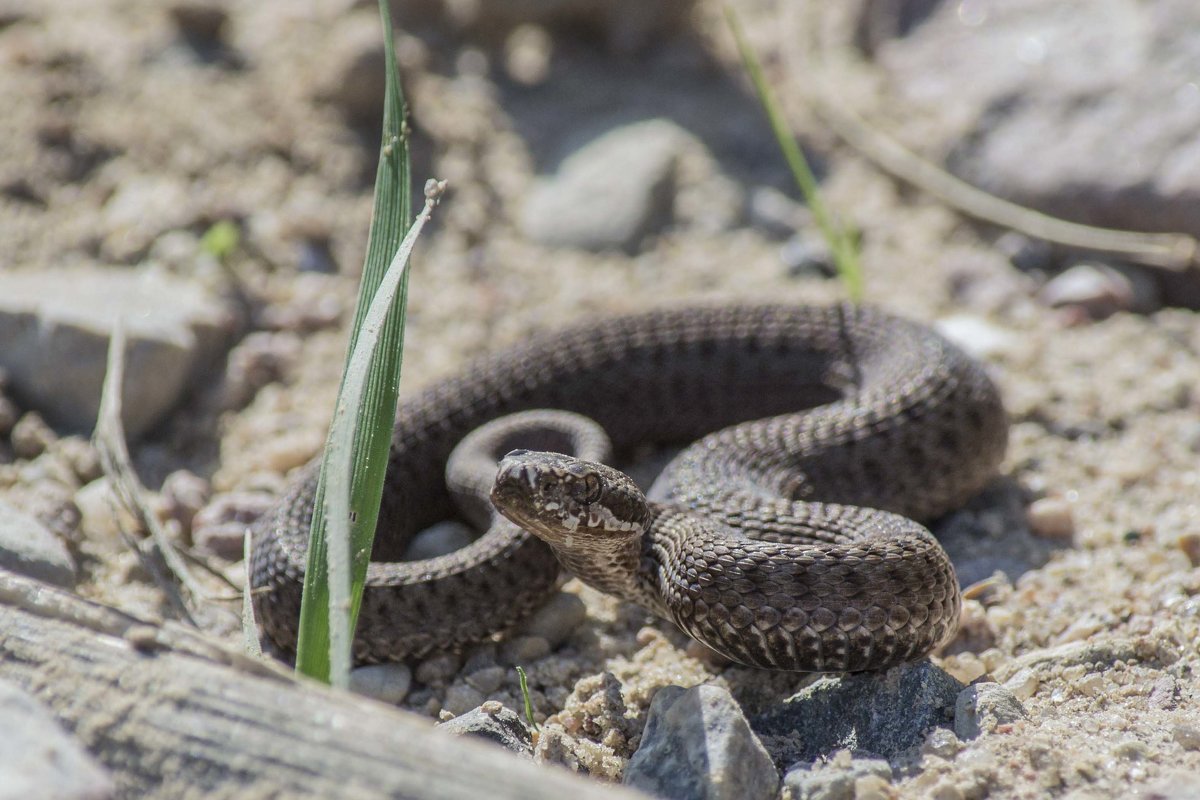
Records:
x=698, y=744
x=880, y=713
x=56, y=324
x=834, y=779
x=39, y=759
x=495, y=723
x=983, y=706
x=28, y=548
x=557, y=619
x=1059, y=102
x=487, y=680
x=611, y=193
x=461, y=698
x=388, y=683
x=523, y=650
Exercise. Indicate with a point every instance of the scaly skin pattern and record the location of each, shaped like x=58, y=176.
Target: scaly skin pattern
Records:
x=759, y=541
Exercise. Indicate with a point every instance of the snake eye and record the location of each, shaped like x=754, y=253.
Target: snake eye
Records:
x=587, y=488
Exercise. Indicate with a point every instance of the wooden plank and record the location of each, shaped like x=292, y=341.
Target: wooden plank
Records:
x=172, y=714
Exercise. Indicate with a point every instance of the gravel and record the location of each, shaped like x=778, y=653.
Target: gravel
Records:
x=1094, y=634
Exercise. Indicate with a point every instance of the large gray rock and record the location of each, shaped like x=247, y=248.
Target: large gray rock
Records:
x=39, y=759
x=1087, y=109
x=698, y=744
x=880, y=713
x=612, y=192
x=56, y=325
x=27, y=547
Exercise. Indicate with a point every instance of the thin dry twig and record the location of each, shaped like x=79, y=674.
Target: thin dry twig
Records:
x=1174, y=251
x=109, y=440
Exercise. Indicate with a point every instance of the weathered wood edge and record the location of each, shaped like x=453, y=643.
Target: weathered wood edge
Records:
x=172, y=714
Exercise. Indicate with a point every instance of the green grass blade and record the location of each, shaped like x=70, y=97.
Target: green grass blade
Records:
x=842, y=242
x=371, y=435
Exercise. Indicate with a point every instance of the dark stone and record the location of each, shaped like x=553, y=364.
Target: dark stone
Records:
x=880, y=713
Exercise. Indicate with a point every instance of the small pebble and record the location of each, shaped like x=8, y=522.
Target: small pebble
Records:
x=31, y=436
x=1092, y=685
x=388, y=683
x=1024, y=684
x=495, y=723
x=102, y=517
x=1024, y=253
x=557, y=619
x=941, y=742
x=220, y=527
x=261, y=358
x=980, y=708
x=807, y=255
x=1187, y=736
x=1189, y=543
x=946, y=790
x=524, y=650
x=183, y=495
x=1097, y=291
x=1051, y=518
x=438, y=670
x=461, y=698
x=487, y=680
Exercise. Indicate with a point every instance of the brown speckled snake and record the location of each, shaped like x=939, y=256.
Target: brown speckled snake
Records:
x=782, y=537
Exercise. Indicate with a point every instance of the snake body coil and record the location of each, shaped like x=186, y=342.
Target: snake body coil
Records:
x=764, y=542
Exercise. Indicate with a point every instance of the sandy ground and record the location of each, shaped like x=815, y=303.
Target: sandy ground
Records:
x=1105, y=431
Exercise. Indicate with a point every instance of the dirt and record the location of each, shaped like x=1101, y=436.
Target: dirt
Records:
x=124, y=141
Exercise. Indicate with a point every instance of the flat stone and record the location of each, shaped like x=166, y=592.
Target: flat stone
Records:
x=984, y=706
x=611, y=193
x=39, y=759
x=495, y=723
x=880, y=713
x=56, y=326
x=1058, y=98
x=27, y=547
x=698, y=744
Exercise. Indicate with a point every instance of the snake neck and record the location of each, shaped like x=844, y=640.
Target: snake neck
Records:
x=614, y=567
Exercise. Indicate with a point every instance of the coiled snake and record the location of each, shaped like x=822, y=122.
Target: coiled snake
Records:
x=763, y=543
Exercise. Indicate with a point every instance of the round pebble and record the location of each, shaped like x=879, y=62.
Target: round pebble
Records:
x=388, y=683
x=557, y=619
x=487, y=680
x=524, y=649
x=461, y=698
x=1051, y=518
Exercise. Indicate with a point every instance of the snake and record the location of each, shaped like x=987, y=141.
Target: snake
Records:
x=787, y=533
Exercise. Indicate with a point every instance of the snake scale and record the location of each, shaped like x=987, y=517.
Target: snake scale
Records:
x=783, y=537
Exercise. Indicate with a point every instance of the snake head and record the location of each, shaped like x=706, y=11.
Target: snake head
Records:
x=558, y=498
